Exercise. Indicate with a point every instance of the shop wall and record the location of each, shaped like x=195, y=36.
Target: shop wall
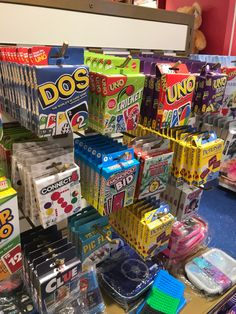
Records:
x=217, y=22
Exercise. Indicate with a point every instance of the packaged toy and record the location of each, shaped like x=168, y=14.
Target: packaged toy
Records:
x=51, y=268
x=116, y=88
x=208, y=151
x=92, y=235
x=49, y=187
x=189, y=201
x=58, y=196
x=14, y=297
x=125, y=277
x=229, y=101
x=13, y=133
x=48, y=93
x=197, y=157
x=108, y=172
x=210, y=89
x=175, y=96
x=145, y=225
x=212, y=272
x=90, y=293
x=228, y=166
x=155, y=159
x=10, y=247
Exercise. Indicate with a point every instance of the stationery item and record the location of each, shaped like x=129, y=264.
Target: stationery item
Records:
x=166, y=295
x=213, y=272
x=186, y=238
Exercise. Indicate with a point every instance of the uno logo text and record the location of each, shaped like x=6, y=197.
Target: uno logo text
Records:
x=180, y=89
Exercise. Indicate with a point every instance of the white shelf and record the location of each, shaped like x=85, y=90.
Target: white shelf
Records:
x=28, y=24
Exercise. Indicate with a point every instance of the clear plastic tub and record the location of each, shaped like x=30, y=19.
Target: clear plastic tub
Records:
x=212, y=272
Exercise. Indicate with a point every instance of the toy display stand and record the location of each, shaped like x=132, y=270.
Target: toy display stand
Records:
x=172, y=33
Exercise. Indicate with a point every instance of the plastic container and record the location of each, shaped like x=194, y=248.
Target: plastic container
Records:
x=212, y=272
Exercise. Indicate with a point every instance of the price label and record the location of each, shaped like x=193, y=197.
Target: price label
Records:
x=13, y=259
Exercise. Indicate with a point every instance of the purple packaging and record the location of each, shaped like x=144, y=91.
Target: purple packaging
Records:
x=155, y=123
x=213, y=92
x=209, y=91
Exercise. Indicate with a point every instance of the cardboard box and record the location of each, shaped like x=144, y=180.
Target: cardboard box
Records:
x=175, y=96
x=189, y=201
x=10, y=248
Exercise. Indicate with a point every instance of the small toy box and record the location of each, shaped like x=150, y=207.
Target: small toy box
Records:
x=10, y=248
x=189, y=201
x=229, y=101
x=175, y=96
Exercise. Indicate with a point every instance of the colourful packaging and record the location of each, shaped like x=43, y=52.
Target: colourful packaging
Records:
x=210, y=90
x=154, y=170
x=189, y=201
x=58, y=196
x=175, y=96
x=208, y=158
x=229, y=101
x=45, y=88
x=10, y=247
x=116, y=93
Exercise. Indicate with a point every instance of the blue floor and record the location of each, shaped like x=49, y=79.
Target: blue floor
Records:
x=218, y=207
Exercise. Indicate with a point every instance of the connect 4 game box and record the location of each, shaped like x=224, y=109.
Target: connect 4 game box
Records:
x=10, y=249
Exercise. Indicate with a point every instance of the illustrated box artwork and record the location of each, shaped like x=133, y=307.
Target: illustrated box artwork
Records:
x=10, y=249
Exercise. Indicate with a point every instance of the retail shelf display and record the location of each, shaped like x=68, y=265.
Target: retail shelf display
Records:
x=98, y=100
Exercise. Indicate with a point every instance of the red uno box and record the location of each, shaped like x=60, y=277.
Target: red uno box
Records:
x=175, y=96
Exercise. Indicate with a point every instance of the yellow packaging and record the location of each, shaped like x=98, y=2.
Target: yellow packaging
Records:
x=134, y=220
x=137, y=233
x=143, y=218
x=180, y=160
x=208, y=159
x=156, y=235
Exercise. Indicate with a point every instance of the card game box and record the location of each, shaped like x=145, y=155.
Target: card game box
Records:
x=175, y=95
x=229, y=101
x=62, y=95
x=10, y=247
x=58, y=196
x=189, y=201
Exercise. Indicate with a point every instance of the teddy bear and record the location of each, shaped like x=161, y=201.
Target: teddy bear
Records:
x=199, y=39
